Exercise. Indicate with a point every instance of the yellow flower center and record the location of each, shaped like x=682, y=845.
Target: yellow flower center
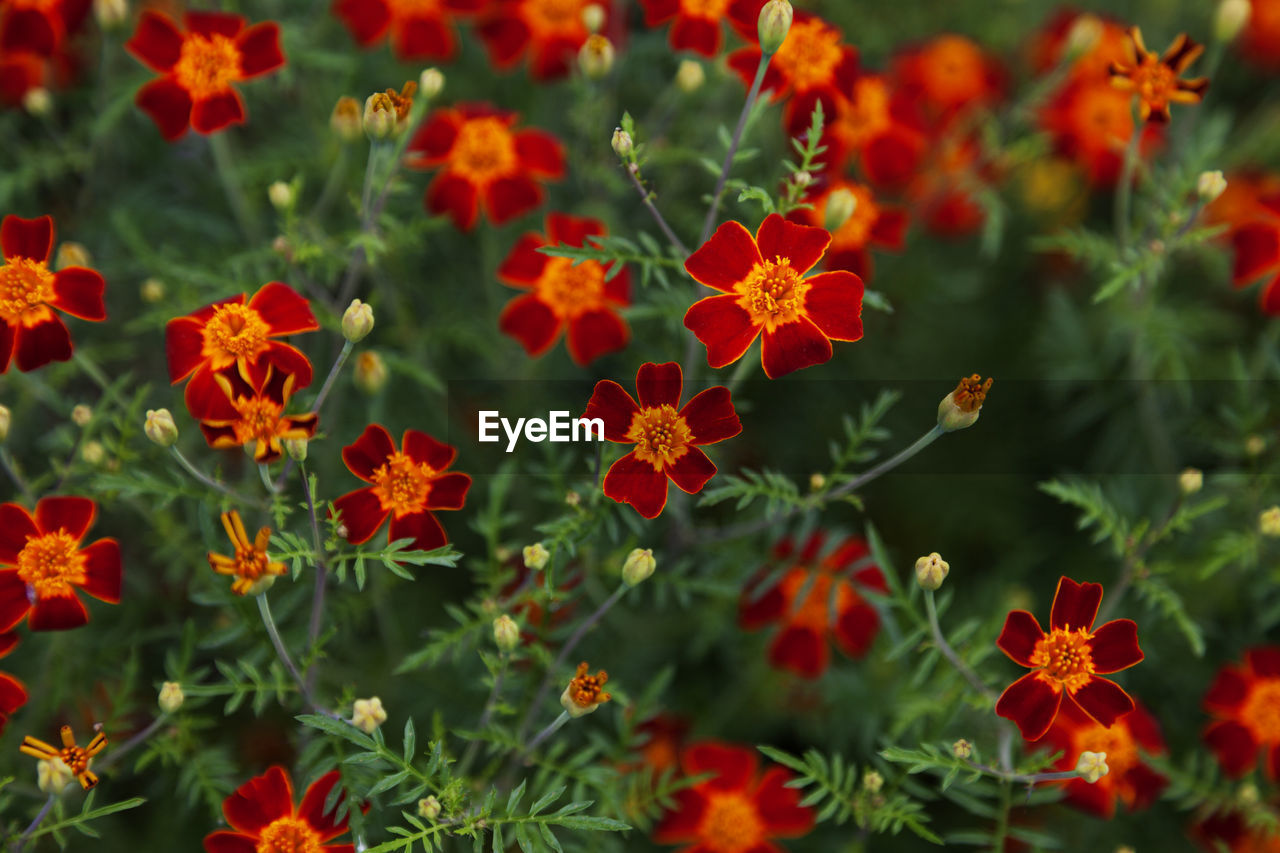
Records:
x=484, y=151
x=234, y=331
x=867, y=115
x=1154, y=81
x=259, y=419
x=25, y=286
x=810, y=54
x=76, y=758
x=661, y=436
x=401, y=485
x=207, y=65
x=856, y=230
x=1064, y=658
x=773, y=293
x=571, y=290
x=731, y=824
x=289, y=835
x=555, y=16
x=1261, y=711
x=51, y=565
x=713, y=9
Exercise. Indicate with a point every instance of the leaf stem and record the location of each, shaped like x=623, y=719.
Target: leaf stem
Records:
x=949, y=653
x=282, y=652
x=322, y=575
x=647, y=197
x=709, y=225
x=206, y=480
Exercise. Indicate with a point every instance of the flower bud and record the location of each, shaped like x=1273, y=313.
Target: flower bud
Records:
x=595, y=57
x=345, y=119
x=71, y=254
x=429, y=808
x=368, y=714
x=386, y=114
x=506, y=633
x=583, y=695
x=53, y=775
x=1092, y=766
x=638, y=566
x=81, y=415
x=622, y=144
x=93, y=453
x=1248, y=795
x=872, y=781
x=536, y=556
x=357, y=321
x=572, y=498
x=931, y=571
x=110, y=13
x=296, y=448
x=962, y=749
x=1254, y=445
x=37, y=101
x=593, y=17
x=690, y=76
x=1269, y=522
x=817, y=482
x=773, y=25
x=370, y=372
x=960, y=408
x=841, y=204
x=160, y=427
x=1084, y=34
x=1191, y=481
x=1230, y=19
x=1210, y=185
x=280, y=195
x=431, y=82
x=6, y=420
x=171, y=697
x=151, y=291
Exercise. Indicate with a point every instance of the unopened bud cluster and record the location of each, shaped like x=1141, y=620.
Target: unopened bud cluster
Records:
x=368, y=714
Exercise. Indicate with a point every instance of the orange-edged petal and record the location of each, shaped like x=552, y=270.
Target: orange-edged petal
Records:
x=73, y=515
x=612, y=404
x=632, y=481
x=1115, y=646
x=779, y=806
x=16, y=526
x=218, y=111
x=834, y=304
x=421, y=447
x=856, y=628
x=258, y=802
x=229, y=842
x=800, y=649
x=1031, y=703
x=366, y=20
x=723, y=326
x=711, y=416
x=725, y=259
x=1075, y=605
x=448, y=491
x=183, y=344
x=507, y=198
x=27, y=30
x=57, y=613
x=1234, y=745
x=525, y=265
x=734, y=766
x=284, y=309
x=793, y=346
x=285, y=361
x=1019, y=637
x=157, y=42
x=26, y=238
x=455, y=196
x=362, y=514
x=691, y=471
x=595, y=333
x=659, y=384
x=312, y=808
x=540, y=153
x=1104, y=700
x=168, y=104
x=78, y=292
x=682, y=823
x=803, y=245
x=368, y=452
x=423, y=528
x=1257, y=248
x=13, y=695
x=7, y=336
x=103, y=574
x=531, y=322
x=214, y=23
x=8, y=641
x=14, y=603
x=36, y=346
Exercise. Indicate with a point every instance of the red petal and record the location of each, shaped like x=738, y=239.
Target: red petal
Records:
x=563, y=229
x=260, y=51
x=540, y=153
x=596, y=333
x=1269, y=298
x=507, y=198
x=259, y=801
x=743, y=16
x=448, y=491
x=12, y=694
x=1098, y=799
x=433, y=142
x=212, y=114
x=793, y=346
x=612, y=404
x=891, y=158
x=552, y=57
x=103, y=575
x=229, y=842
x=1273, y=763
x=455, y=196
x=362, y=514
x=525, y=264
x=368, y=452
x=856, y=628
x=691, y=471
x=684, y=821
x=421, y=447
x=14, y=603
x=1031, y=703
x=16, y=526
x=312, y=808
x=205, y=399
x=57, y=613
x=1264, y=661
x=168, y=104
x=1147, y=786
x=214, y=23
x=801, y=650
x=1257, y=248
x=27, y=238
x=889, y=229
x=711, y=416
x=78, y=291
x=734, y=766
x=6, y=346
x=1115, y=646
x=367, y=20
x=423, y=528
x=7, y=642
x=834, y=304
x=658, y=11
x=27, y=30
x=1075, y=605
x=1227, y=693
x=530, y=321
x=1103, y=700
x=505, y=37
x=700, y=35
x=1234, y=745
x=1019, y=637
x=637, y=483
x=803, y=245
x=723, y=326
x=283, y=309
x=157, y=42
x=726, y=259
x=287, y=361
x=39, y=345
x=73, y=515
x=756, y=610
x=779, y=806
x=183, y=346
x=426, y=37
x=659, y=384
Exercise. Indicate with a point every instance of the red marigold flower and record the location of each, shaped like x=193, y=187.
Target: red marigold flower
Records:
x=1130, y=781
x=548, y=32
x=564, y=294
x=77, y=758
x=1068, y=659
x=13, y=695
x=666, y=440
x=943, y=190
x=482, y=160
x=263, y=818
x=29, y=291
x=252, y=569
x=1156, y=80
x=697, y=22
x=1260, y=38
x=870, y=224
x=199, y=65
x=765, y=292
x=406, y=484
x=832, y=607
x=40, y=26
x=948, y=74
x=418, y=30
x=1245, y=703
x=875, y=124
x=42, y=563
x=660, y=750
x=243, y=412
x=737, y=808
x=235, y=333
x=1257, y=250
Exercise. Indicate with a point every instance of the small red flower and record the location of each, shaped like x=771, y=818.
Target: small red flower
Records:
x=406, y=484
x=737, y=808
x=418, y=30
x=874, y=124
x=664, y=738
x=564, y=294
x=697, y=22
x=870, y=224
x=832, y=607
x=42, y=564
x=29, y=291
x=666, y=439
x=947, y=75
x=243, y=413
x=1257, y=250
x=482, y=160
x=237, y=334
x=40, y=26
x=1068, y=659
x=548, y=32
x=13, y=695
x=263, y=818
x=764, y=292
x=199, y=65
x=1245, y=703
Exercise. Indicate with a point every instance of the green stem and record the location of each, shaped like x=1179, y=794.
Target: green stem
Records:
x=949, y=653
x=555, y=726
x=1124, y=189
x=6, y=463
x=91, y=370
x=21, y=842
x=224, y=163
x=1002, y=818
x=283, y=653
x=206, y=480
x=490, y=705
x=322, y=575
x=710, y=223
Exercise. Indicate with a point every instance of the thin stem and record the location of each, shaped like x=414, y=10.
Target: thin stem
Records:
x=490, y=705
x=91, y=370
x=205, y=479
x=224, y=164
x=332, y=183
x=39, y=819
x=125, y=748
x=325, y=388
x=1124, y=189
x=1002, y=818
x=647, y=197
x=322, y=575
x=6, y=463
x=265, y=474
x=367, y=217
x=949, y=653
x=709, y=225
x=283, y=653
x=745, y=365
x=1134, y=561
x=555, y=726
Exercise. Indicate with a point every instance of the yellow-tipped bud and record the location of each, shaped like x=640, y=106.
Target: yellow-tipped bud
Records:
x=817, y=482
x=368, y=714
x=1269, y=522
x=690, y=76
x=53, y=775
x=71, y=254
x=773, y=25
x=81, y=415
x=1084, y=34
x=93, y=453
x=506, y=633
x=171, y=697
x=110, y=13
x=296, y=448
x=840, y=206
x=160, y=428
x=1230, y=19
x=370, y=372
x=638, y=566
x=536, y=556
x=1092, y=766
x=345, y=119
x=622, y=144
x=1254, y=445
x=280, y=195
x=357, y=321
x=962, y=749
x=37, y=101
x=1210, y=185
x=960, y=408
x=152, y=290
x=931, y=571
x=872, y=781
x=1191, y=481
x=431, y=82
x=429, y=808
x=596, y=56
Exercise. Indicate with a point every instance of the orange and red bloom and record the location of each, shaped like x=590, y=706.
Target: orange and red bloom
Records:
x=1257, y=250
x=13, y=695
x=1067, y=660
x=831, y=607
x=418, y=30
x=547, y=32
x=1245, y=703
x=1157, y=81
x=483, y=162
x=871, y=223
x=407, y=484
x=31, y=334
x=876, y=125
x=764, y=293
x=42, y=564
x=949, y=74
x=245, y=413
x=666, y=439
x=77, y=758
x=564, y=294
x=696, y=24
x=263, y=818
x=737, y=809
x=200, y=62
x=252, y=569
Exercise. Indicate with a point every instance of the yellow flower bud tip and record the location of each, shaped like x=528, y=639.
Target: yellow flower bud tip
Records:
x=622, y=144
x=296, y=448
x=37, y=101
x=584, y=694
x=506, y=633
x=1269, y=522
x=280, y=195
x=962, y=749
x=345, y=119
x=638, y=566
x=1191, y=481
x=93, y=453
x=81, y=415
x=6, y=420
x=160, y=428
x=368, y=714
x=1210, y=185
x=841, y=204
x=872, y=781
x=960, y=408
x=110, y=13
x=536, y=556
x=370, y=372
x=71, y=254
x=171, y=697
x=802, y=178
x=817, y=482
x=1230, y=19
x=690, y=76
x=1092, y=766
x=429, y=808
x=931, y=571
x=595, y=57
x=151, y=291
x=1254, y=445
x=593, y=17
x=773, y=25
x=431, y=82
x=357, y=321
x=1125, y=848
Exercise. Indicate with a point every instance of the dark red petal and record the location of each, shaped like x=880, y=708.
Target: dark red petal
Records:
x=6, y=346
x=691, y=471
x=892, y=158
x=657, y=11
x=723, y=326
x=362, y=514
x=1234, y=745
x=27, y=30
x=426, y=37
x=612, y=404
x=423, y=528
x=803, y=245
x=367, y=20
x=168, y=104
x=1031, y=703
x=734, y=766
x=14, y=603
x=889, y=229
x=1264, y=661
x=1257, y=248
x=455, y=196
x=57, y=613
x=755, y=610
x=793, y=346
x=13, y=695
x=211, y=114
x=260, y=51
x=1098, y=799
x=229, y=842
x=183, y=346
x=312, y=808
x=27, y=238
x=1019, y=637
x=1075, y=605
x=1103, y=700
x=856, y=628
x=507, y=198
x=259, y=801
x=684, y=820
x=73, y=515
x=596, y=333
x=103, y=575
x=214, y=23
x=552, y=56
x=711, y=416
x=205, y=399
x=800, y=649
x=701, y=35
x=726, y=259
x=834, y=304
x=659, y=384
x=78, y=292
x=39, y=345
x=637, y=483
x=540, y=153
x=563, y=229
x=157, y=42
x=8, y=641
x=286, y=361
x=531, y=322
x=433, y=142
x=779, y=806
x=1227, y=693
x=1115, y=646
x=368, y=452
x=618, y=289
x=1147, y=786
x=525, y=265
x=283, y=309
x=505, y=37
x=448, y=491
x=16, y=526
x=421, y=447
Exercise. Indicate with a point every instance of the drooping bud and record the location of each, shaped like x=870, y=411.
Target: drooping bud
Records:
x=1230, y=19
x=536, y=556
x=638, y=566
x=595, y=57
x=1269, y=522
x=431, y=82
x=152, y=290
x=370, y=372
x=841, y=204
x=171, y=697
x=280, y=195
x=6, y=420
x=931, y=571
x=506, y=633
x=368, y=714
x=160, y=428
x=1092, y=766
x=593, y=17
x=37, y=101
x=960, y=408
x=296, y=448
x=622, y=144
x=429, y=808
x=1191, y=481
x=110, y=13
x=1210, y=185
x=962, y=749
x=583, y=695
x=345, y=119
x=357, y=321
x=773, y=25
x=71, y=254
x=81, y=415
x=690, y=76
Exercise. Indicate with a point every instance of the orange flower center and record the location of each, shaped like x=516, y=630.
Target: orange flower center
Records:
x=25, y=286
x=558, y=17
x=234, y=331
x=810, y=54
x=207, y=65
x=731, y=824
x=586, y=690
x=51, y=564
x=1261, y=711
x=1116, y=742
x=484, y=151
x=571, y=290
x=856, y=230
x=953, y=70
x=773, y=293
x=76, y=758
x=1154, y=81
x=815, y=611
x=401, y=484
x=288, y=835
x=1065, y=658
x=712, y=9
x=867, y=115
x=260, y=419
x=660, y=434
x=251, y=564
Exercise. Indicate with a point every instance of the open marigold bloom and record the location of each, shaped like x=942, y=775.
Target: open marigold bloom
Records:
x=564, y=294
x=263, y=818
x=240, y=334
x=1257, y=251
x=417, y=30
x=666, y=440
x=252, y=569
x=13, y=695
x=1157, y=80
x=200, y=63
x=483, y=162
x=696, y=24
x=548, y=32
x=1067, y=661
x=42, y=564
x=1130, y=781
x=948, y=74
x=870, y=223
x=77, y=758
x=737, y=809
x=30, y=332
x=255, y=414
x=764, y=292
x=407, y=484
x=875, y=125
x=1245, y=703
x=831, y=607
